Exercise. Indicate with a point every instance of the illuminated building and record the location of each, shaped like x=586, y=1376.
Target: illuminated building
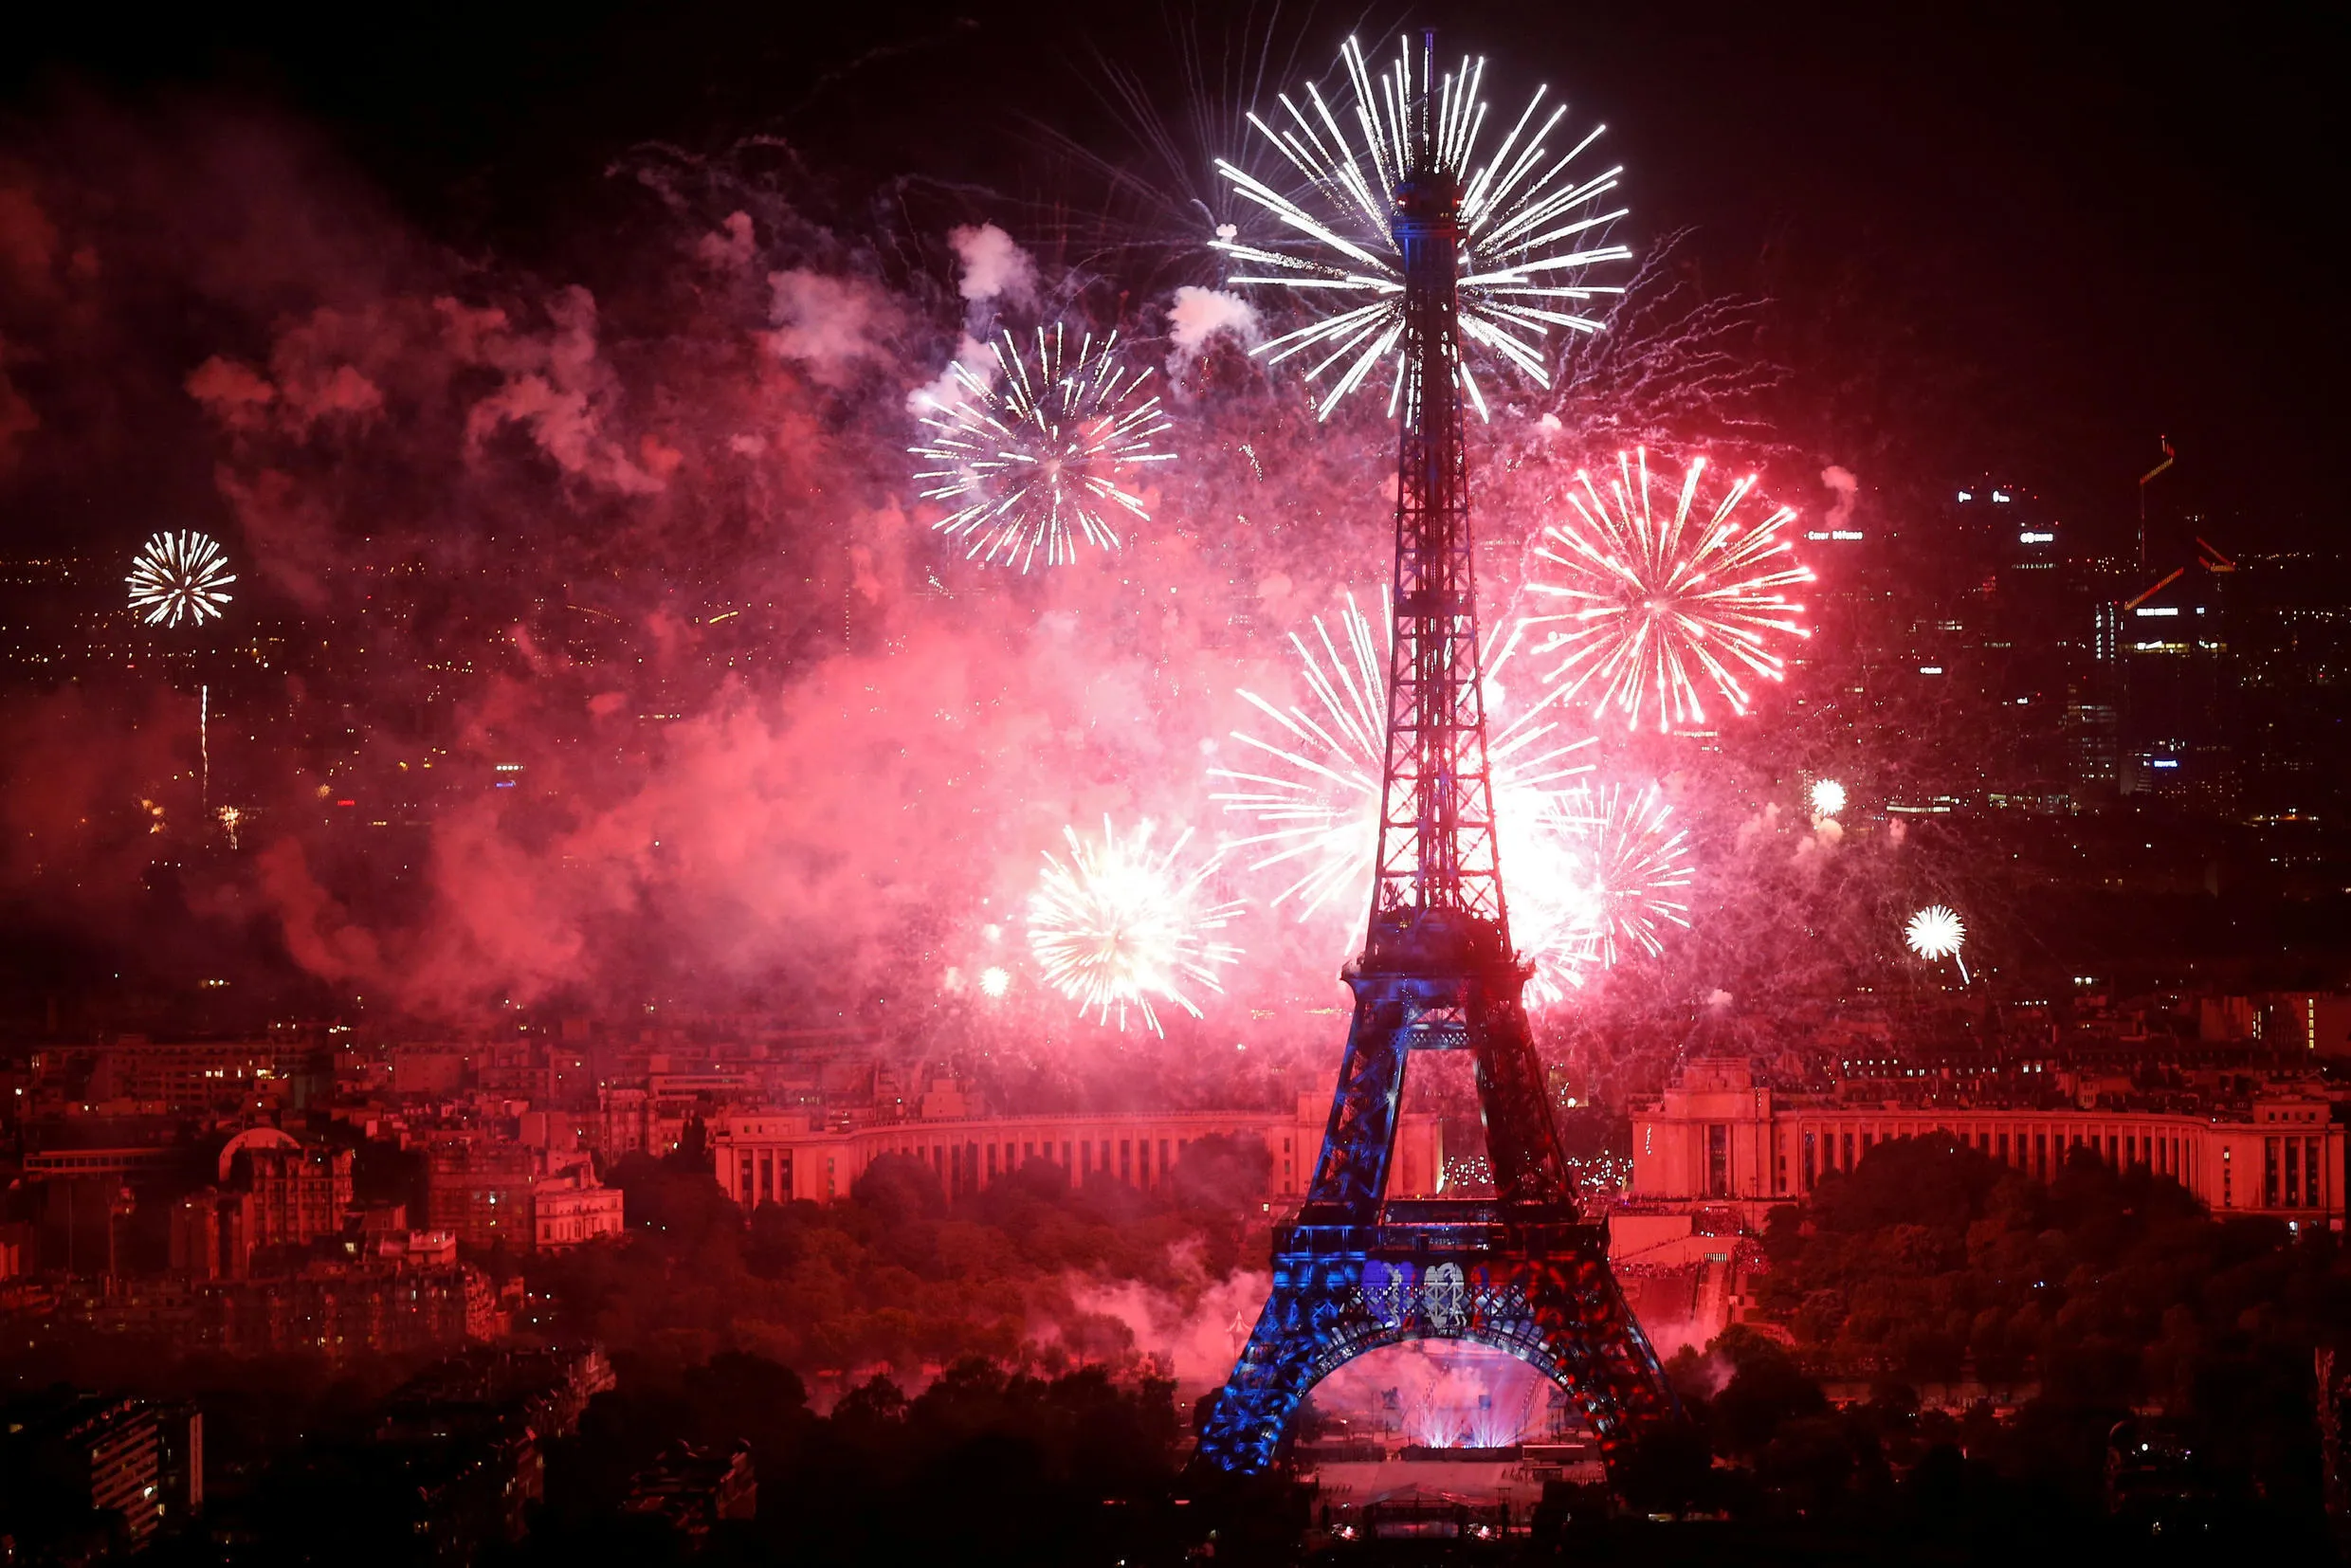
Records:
x=775, y=1156
x=136, y=1164
x=1718, y=1136
x=571, y=1208
x=692, y=1490
x=104, y=1455
x=212, y=1235
x=479, y=1191
x=2093, y=751
x=299, y=1192
x=382, y=1305
x=2026, y=620
x=550, y=1387
x=2317, y=1021
x=484, y=1190
x=2289, y=634
x=2178, y=741
x=191, y=1075
x=649, y=1115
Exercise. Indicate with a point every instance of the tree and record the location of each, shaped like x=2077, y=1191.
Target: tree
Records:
x=898, y=1188
x=1766, y=1390
x=1220, y=1174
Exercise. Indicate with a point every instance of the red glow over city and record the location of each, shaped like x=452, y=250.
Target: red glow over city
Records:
x=1048, y=784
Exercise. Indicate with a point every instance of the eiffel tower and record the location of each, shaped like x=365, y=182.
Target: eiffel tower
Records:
x=1523, y=1273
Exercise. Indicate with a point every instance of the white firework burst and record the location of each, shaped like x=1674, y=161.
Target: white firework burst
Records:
x=1532, y=230
x=1827, y=798
x=1619, y=890
x=179, y=576
x=1314, y=796
x=1936, y=932
x=1120, y=925
x=1034, y=461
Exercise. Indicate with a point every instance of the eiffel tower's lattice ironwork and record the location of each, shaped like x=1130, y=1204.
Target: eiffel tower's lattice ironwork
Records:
x=1523, y=1273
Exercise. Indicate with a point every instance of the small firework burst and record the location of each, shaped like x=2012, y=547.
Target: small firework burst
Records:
x=1662, y=604
x=994, y=981
x=1533, y=224
x=1036, y=464
x=179, y=576
x=1935, y=933
x=1827, y=798
x=1120, y=925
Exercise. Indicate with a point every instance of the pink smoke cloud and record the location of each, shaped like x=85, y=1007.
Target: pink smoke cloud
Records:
x=28, y=241
x=237, y=396
x=994, y=267
x=975, y=358
x=1847, y=489
x=658, y=548
x=731, y=247
x=835, y=326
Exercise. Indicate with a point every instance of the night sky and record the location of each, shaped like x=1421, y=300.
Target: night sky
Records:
x=2046, y=235
x=551, y=378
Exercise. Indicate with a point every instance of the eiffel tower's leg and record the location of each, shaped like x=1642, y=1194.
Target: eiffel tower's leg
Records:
x=1277, y=1366
x=1352, y=1171
x=1313, y=1282
x=1591, y=1339
x=1522, y=1139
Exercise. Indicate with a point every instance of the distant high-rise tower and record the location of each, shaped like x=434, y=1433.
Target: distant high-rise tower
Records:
x=1523, y=1272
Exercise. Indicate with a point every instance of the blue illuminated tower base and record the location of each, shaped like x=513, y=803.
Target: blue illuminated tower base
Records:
x=1523, y=1273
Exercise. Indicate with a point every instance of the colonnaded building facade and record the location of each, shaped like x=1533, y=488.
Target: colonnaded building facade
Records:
x=1720, y=1136
x=775, y=1156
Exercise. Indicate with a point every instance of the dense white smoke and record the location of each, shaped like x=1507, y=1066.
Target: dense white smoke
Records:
x=976, y=359
x=1197, y=315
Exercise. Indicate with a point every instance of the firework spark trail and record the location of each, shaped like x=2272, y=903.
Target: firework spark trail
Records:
x=1674, y=363
x=1034, y=468
x=1531, y=233
x=179, y=576
x=1316, y=807
x=1120, y=925
x=1656, y=608
x=1165, y=184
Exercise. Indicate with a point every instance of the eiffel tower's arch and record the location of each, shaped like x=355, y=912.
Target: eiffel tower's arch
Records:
x=1544, y=1297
